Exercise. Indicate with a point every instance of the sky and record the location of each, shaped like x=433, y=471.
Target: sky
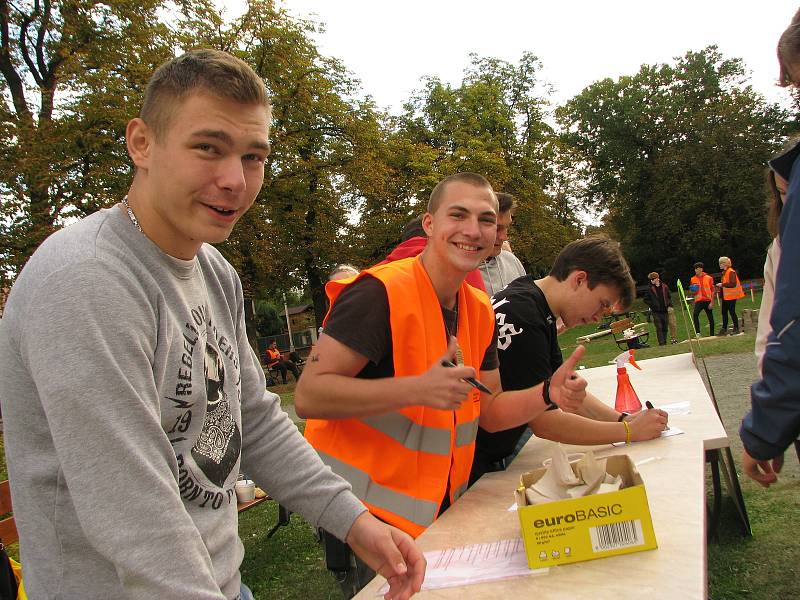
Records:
x=390, y=46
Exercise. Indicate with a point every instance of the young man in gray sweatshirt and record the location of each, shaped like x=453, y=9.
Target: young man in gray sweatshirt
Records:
x=130, y=395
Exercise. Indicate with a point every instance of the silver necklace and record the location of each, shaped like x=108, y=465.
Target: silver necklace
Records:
x=131, y=216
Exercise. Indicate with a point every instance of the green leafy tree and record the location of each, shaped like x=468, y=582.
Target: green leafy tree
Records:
x=72, y=73
x=495, y=124
x=323, y=161
x=675, y=156
x=267, y=321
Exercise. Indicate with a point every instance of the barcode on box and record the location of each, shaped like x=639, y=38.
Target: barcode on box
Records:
x=616, y=535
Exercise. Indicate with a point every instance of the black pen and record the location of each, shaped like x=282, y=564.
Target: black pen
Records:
x=470, y=380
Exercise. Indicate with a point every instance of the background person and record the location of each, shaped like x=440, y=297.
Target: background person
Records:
x=501, y=267
x=731, y=289
x=275, y=360
x=123, y=482
x=777, y=186
x=702, y=285
x=342, y=271
x=658, y=298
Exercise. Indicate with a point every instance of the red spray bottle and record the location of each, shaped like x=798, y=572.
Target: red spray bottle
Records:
x=627, y=400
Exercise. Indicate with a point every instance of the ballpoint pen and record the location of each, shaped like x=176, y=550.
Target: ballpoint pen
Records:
x=470, y=380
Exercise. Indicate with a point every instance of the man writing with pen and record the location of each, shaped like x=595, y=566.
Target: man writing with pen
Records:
x=383, y=411
x=589, y=278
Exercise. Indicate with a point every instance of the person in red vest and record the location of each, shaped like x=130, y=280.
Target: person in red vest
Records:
x=386, y=390
x=731, y=289
x=703, y=287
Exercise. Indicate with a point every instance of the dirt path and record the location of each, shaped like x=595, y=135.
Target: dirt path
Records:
x=731, y=378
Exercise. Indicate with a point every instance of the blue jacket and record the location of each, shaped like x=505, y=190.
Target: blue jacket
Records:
x=773, y=422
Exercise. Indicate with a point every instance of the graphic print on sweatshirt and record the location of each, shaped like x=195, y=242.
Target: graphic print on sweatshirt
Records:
x=217, y=449
x=206, y=384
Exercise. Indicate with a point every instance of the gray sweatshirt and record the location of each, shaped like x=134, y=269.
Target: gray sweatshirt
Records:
x=498, y=271
x=131, y=400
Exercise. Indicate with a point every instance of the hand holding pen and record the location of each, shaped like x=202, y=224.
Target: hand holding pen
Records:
x=650, y=406
x=647, y=424
x=445, y=385
x=470, y=380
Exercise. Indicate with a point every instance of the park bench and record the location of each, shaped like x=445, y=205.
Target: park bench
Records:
x=617, y=330
x=283, y=513
x=639, y=332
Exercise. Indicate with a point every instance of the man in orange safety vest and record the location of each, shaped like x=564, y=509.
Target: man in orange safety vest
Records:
x=703, y=287
x=391, y=389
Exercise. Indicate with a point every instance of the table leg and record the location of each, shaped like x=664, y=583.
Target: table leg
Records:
x=283, y=519
x=735, y=490
x=712, y=457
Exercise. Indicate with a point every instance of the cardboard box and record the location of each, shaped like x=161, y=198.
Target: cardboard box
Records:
x=596, y=526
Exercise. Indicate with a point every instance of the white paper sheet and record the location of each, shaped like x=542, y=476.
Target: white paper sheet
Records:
x=475, y=563
x=676, y=408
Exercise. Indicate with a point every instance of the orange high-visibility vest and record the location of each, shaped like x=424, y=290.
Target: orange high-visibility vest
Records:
x=273, y=356
x=400, y=463
x=731, y=293
x=705, y=289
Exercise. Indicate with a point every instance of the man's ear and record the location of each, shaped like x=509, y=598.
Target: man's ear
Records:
x=579, y=278
x=139, y=139
x=427, y=223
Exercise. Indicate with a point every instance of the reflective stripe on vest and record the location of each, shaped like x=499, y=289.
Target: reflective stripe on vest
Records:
x=460, y=490
x=415, y=510
x=433, y=440
x=466, y=433
x=411, y=435
x=731, y=293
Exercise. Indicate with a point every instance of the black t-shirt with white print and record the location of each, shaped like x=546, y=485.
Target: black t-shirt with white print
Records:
x=527, y=345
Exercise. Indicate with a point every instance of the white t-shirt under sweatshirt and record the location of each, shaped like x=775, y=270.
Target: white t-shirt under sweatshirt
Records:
x=131, y=400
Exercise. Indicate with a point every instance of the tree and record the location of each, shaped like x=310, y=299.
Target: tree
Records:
x=267, y=320
x=674, y=155
x=322, y=162
x=494, y=124
x=72, y=72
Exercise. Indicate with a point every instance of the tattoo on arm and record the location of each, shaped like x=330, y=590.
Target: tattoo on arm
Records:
x=315, y=358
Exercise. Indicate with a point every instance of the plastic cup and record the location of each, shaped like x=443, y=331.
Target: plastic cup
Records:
x=245, y=490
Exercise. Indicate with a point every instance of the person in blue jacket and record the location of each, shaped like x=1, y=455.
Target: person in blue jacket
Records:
x=773, y=422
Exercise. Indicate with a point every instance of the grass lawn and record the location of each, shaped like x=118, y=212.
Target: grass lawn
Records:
x=602, y=351
x=290, y=565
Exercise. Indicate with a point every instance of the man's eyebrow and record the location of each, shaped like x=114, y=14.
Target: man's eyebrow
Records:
x=227, y=139
x=464, y=209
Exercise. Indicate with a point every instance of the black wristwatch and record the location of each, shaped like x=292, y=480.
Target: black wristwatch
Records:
x=622, y=417
x=546, y=393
